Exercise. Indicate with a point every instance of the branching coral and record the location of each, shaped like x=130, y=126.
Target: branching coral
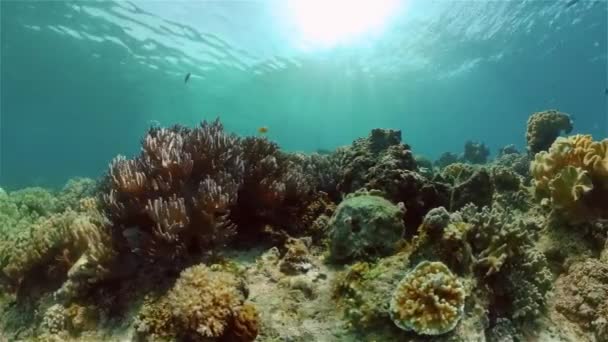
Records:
x=202, y=305
x=276, y=190
x=496, y=247
x=544, y=127
x=72, y=244
x=203, y=302
x=429, y=300
x=504, y=253
x=573, y=175
x=178, y=191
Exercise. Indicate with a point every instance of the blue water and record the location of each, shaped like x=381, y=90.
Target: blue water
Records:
x=82, y=80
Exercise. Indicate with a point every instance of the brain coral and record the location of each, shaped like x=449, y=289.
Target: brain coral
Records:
x=365, y=225
x=573, y=174
x=544, y=127
x=429, y=300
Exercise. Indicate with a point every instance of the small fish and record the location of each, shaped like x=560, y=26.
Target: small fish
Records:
x=606, y=91
x=187, y=78
x=263, y=130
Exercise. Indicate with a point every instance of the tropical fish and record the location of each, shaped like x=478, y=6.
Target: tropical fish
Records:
x=263, y=130
x=187, y=78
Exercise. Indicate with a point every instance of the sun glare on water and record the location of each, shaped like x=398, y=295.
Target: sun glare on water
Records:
x=331, y=22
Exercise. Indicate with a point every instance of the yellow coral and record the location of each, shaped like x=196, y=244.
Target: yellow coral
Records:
x=203, y=302
x=429, y=300
x=155, y=320
x=573, y=167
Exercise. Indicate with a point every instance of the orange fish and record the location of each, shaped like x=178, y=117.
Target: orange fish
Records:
x=263, y=130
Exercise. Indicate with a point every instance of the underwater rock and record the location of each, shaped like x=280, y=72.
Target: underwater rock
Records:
x=418, y=194
x=429, y=300
x=505, y=179
x=436, y=220
x=519, y=163
x=297, y=259
x=475, y=152
x=509, y=149
x=581, y=296
x=544, y=127
x=382, y=162
x=363, y=291
x=364, y=226
x=380, y=147
x=477, y=189
x=446, y=159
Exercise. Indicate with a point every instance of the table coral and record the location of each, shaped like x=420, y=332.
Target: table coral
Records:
x=429, y=300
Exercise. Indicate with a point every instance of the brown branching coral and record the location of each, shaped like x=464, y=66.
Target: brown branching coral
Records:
x=544, y=127
x=276, y=190
x=191, y=190
x=178, y=191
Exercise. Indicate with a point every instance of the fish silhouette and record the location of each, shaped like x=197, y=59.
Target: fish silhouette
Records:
x=187, y=78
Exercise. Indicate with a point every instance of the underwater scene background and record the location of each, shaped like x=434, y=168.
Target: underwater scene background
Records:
x=302, y=170
x=82, y=80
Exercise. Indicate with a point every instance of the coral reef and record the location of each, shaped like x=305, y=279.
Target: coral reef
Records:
x=573, y=176
x=365, y=225
x=475, y=152
x=544, y=127
x=496, y=247
x=207, y=236
x=429, y=300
